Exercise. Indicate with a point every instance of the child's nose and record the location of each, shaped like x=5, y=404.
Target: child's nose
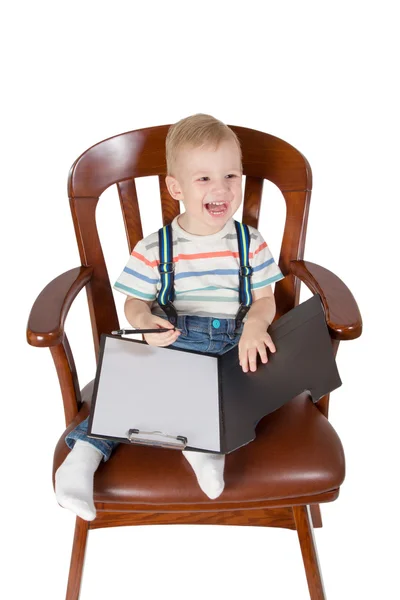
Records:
x=221, y=187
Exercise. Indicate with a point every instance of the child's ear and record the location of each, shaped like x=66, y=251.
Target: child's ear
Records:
x=173, y=187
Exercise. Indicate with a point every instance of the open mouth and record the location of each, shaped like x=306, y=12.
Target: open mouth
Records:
x=216, y=209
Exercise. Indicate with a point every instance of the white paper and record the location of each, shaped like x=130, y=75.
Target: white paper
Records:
x=155, y=389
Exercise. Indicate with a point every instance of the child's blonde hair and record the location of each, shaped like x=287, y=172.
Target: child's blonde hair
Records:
x=195, y=131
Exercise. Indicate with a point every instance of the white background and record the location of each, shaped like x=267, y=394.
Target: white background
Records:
x=321, y=76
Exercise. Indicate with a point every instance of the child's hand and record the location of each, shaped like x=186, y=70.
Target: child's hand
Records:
x=166, y=338
x=254, y=339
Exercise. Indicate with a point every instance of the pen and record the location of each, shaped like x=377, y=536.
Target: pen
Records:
x=126, y=331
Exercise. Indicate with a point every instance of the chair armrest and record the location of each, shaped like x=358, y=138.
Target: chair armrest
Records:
x=341, y=311
x=50, y=309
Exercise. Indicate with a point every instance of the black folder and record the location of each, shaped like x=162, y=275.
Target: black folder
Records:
x=182, y=399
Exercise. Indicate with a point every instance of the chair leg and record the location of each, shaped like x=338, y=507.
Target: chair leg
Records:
x=305, y=531
x=77, y=559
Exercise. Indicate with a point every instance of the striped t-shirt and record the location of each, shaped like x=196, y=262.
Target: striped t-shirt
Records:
x=206, y=279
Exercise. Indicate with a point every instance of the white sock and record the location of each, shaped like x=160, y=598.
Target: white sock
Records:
x=209, y=470
x=74, y=480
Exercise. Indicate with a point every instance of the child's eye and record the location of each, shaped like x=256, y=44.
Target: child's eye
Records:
x=205, y=178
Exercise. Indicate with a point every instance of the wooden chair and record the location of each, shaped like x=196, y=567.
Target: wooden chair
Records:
x=283, y=492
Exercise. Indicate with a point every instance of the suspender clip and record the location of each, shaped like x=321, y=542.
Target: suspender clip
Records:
x=170, y=311
x=245, y=271
x=240, y=315
x=166, y=267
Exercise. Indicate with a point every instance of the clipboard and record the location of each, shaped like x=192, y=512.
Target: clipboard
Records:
x=182, y=399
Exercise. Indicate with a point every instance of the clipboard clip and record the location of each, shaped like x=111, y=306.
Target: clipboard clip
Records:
x=156, y=438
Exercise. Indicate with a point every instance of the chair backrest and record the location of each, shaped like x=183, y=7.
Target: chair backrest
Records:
x=121, y=159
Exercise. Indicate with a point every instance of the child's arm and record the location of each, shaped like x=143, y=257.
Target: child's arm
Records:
x=136, y=309
x=139, y=315
x=255, y=338
x=263, y=307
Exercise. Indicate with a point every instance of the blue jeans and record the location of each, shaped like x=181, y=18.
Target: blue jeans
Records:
x=202, y=334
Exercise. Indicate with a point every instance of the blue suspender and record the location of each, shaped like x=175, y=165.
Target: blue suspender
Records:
x=166, y=270
x=245, y=272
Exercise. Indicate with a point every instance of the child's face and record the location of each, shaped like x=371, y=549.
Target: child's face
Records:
x=205, y=176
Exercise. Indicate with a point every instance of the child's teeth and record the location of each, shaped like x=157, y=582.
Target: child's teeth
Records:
x=214, y=206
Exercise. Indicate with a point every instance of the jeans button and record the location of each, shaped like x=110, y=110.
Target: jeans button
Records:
x=216, y=324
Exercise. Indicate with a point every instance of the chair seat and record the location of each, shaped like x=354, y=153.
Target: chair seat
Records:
x=296, y=453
